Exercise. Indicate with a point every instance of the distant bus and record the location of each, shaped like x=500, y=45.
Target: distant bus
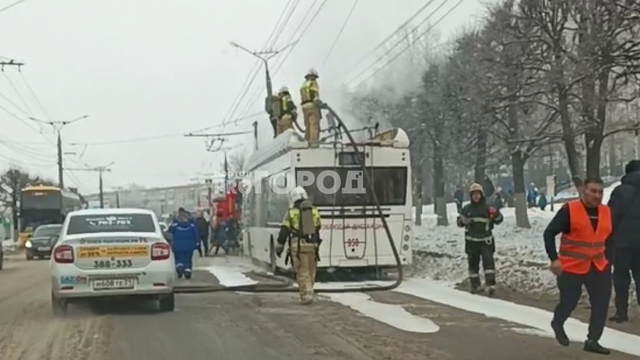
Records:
x=43, y=205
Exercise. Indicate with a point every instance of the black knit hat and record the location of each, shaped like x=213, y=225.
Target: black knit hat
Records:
x=632, y=166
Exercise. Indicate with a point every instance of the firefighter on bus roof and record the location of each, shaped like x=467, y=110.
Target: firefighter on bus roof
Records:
x=301, y=229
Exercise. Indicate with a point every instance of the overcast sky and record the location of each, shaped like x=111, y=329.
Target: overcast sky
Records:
x=148, y=71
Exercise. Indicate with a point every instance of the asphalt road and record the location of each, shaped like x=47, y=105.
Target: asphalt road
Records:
x=231, y=326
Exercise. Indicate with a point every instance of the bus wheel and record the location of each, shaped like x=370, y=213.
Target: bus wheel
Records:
x=272, y=257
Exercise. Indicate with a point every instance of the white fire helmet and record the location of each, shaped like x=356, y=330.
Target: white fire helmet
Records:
x=312, y=72
x=299, y=193
x=284, y=89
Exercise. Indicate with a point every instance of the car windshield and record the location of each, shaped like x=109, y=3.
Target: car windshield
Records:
x=47, y=231
x=98, y=223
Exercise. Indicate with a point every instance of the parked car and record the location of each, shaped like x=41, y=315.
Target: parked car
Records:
x=111, y=253
x=42, y=241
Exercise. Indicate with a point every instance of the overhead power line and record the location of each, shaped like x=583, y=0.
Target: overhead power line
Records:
x=252, y=75
x=405, y=37
x=335, y=41
x=12, y=5
x=394, y=33
x=418, y=37
x=308, y=23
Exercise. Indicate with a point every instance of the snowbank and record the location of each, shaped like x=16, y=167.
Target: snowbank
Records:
x=521, y=261
x=8, y=246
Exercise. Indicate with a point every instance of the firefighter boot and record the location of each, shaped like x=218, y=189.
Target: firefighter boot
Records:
x=491, y=290
x=475, y=284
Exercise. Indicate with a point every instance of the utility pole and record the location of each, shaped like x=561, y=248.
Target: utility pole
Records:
x=11, y=63
x=265, y=56
x=57, y=126
x=100, y=170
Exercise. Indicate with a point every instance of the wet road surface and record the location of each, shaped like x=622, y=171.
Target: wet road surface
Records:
x=232, y=326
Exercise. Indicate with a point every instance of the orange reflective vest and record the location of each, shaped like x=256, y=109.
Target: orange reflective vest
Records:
x=582, y=246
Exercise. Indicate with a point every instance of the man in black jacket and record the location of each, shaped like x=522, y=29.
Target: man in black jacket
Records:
x=625, y=218
x=203, y=231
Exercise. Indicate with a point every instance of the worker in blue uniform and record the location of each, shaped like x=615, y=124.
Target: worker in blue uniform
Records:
x=185, y=241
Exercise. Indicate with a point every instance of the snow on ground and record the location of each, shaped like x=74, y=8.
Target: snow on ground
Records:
x=230, y=271
x=536, y=319
x=393, y=315
x=8, y=246
x=521, y=261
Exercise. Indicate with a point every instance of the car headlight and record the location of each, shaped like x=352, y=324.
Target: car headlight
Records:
x=28, y=244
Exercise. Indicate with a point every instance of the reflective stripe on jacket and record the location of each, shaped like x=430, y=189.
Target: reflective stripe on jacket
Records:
x=582, y=246
x=309, y=91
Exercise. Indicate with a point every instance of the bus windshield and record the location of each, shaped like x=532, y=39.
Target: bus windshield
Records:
x=32, y=219
x=41, y=200
x=389, y=183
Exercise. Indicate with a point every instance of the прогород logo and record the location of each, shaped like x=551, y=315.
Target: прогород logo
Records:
x=327, y=182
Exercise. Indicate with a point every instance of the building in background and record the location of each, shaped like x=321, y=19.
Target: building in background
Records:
x=164, y=200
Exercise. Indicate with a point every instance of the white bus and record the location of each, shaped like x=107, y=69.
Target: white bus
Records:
x=352, y=232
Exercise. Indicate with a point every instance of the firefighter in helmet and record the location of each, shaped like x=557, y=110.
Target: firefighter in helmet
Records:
x=288, y=110
x=272, y=107
x=478, y=218
x=301, y=230
x=311, y=103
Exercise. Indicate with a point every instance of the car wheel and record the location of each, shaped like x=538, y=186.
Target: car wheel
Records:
x=167, y=302
x=59, y=307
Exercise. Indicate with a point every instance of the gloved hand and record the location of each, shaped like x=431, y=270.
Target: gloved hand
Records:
x=463, y=220
x=492, y=212
x=279, y=250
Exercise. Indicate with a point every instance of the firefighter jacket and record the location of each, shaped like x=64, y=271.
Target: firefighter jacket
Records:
x=478, y=222
x=309, y=92
x=287, y=106
x=584, y=243
x=290, y=230
x=273, y=106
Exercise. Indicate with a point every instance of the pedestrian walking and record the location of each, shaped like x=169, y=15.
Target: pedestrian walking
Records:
x=625, y=217
x=585, y=225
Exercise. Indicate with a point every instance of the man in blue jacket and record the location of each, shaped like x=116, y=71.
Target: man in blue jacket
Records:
x=185, y=240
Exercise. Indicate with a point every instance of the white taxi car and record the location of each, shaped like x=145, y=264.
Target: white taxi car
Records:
x=111, y=252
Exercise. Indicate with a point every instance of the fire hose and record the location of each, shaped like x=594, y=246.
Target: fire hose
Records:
x=285, y=286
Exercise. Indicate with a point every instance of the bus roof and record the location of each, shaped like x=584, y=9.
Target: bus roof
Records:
x=41, y=188
x=290, y=139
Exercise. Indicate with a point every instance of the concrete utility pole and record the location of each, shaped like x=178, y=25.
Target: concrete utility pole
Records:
x=264, y=56
x=100, y=170
x=57, y=126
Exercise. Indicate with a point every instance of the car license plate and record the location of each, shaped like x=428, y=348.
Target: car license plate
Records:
x=110, y=284
x=44, y=248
